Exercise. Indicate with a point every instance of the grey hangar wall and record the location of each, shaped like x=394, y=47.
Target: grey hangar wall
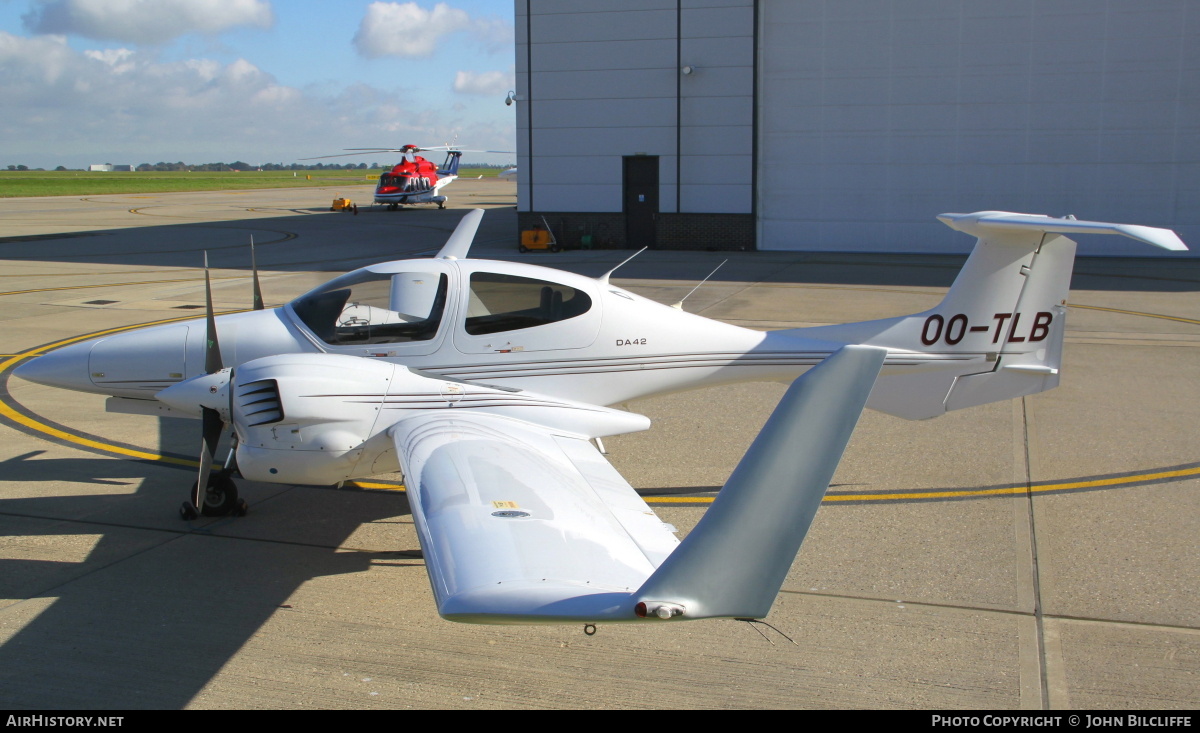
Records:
x=848, y=125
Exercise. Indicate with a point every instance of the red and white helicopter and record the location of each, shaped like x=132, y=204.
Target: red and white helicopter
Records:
x=414, y=180
x=487, y=382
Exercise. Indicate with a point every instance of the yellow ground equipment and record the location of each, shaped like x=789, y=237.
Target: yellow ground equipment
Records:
x=539, y=238
x=340, y=204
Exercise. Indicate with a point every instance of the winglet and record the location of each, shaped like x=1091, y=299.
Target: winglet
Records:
x=459, y=243
x=735, y=560
x=979, y=223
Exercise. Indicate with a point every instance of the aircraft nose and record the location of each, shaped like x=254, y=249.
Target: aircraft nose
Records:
x=66, y=368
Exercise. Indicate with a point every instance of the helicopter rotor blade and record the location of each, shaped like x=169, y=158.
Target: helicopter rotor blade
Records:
x=347, y=155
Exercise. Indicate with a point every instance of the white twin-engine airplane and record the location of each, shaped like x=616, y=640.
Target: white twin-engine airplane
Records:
x=485, y=383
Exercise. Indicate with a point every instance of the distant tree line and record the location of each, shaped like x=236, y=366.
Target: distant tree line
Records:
x=238, y=165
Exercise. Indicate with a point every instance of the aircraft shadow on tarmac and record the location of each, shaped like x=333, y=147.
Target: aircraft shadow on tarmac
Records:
x=329, y=241
x=157, y=606
x=321, y=241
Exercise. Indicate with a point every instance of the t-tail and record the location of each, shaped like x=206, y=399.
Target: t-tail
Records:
x=450, y=165
x=998, y=333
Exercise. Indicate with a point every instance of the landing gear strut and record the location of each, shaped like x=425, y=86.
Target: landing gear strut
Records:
x=220, y=494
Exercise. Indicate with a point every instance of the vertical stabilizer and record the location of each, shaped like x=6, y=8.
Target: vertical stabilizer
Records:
x=998, y=333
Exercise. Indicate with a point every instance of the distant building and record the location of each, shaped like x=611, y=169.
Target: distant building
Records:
x=110, y=168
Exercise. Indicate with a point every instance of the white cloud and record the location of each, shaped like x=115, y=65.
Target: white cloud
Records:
x=118, y=59
x=408, y=30
x=66, y=107
x=145, y=21
x=492, y=83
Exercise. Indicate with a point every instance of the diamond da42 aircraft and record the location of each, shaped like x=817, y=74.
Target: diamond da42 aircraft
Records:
x=486, y=382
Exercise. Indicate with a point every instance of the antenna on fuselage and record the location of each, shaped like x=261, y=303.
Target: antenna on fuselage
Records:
x=679, y=305
x=604, y=278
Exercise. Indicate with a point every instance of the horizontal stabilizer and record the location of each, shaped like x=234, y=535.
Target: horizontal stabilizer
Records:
x=982, y=223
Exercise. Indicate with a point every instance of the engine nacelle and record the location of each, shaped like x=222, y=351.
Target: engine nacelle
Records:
x=308, y=418
x=324, y=418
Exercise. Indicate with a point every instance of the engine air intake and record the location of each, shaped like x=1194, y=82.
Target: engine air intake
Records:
x=259, y=402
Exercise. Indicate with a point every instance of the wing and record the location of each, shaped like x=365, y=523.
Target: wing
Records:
x=521, y=522
x=524, y=523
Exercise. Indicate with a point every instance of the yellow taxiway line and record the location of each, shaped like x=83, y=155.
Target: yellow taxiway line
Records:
x=11, y=413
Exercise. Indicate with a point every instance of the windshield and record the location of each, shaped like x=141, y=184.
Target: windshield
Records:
x=375, y=308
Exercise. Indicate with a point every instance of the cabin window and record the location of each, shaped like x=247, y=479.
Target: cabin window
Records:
x=375, y=308
x=509, y=303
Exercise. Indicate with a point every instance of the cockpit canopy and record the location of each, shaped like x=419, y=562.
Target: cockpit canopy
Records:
x=391, y=307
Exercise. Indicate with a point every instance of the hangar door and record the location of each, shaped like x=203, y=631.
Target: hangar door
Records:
x=641, y=199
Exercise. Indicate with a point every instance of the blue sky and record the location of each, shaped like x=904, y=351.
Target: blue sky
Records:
x=142, y=81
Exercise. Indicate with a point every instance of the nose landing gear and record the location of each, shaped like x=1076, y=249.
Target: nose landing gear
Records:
x=220, y=499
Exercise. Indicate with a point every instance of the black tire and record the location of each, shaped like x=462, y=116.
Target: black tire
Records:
x=555, y=248
x=221, y=499
x=522, y=248
x=187, y=512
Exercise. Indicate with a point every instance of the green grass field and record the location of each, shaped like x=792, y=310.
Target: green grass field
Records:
x=83, y=183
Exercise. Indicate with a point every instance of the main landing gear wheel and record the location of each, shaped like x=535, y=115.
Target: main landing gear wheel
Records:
x=220, y=500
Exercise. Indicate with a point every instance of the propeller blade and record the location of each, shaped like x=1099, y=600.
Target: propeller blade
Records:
x=213, y=426
x=258, y=299
x=212, y=349
x=212, y=423
x=203, y=389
